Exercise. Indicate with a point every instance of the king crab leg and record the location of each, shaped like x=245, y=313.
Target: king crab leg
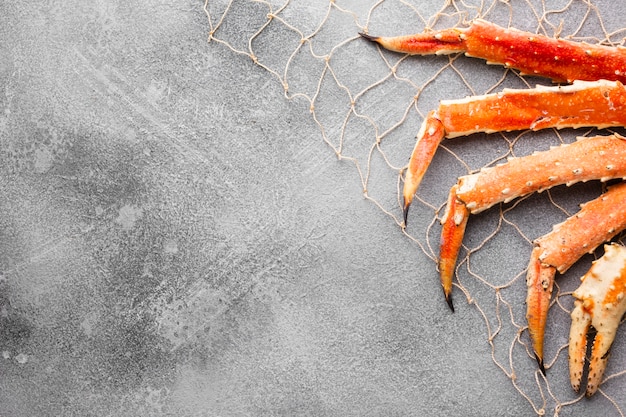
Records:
x=600, y=103
x=597, y=221
x=566, y=164
x=600, y=303
x=558, y=59
x=601, y=300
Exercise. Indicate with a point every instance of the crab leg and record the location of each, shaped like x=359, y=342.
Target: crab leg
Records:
x=596, y=222
x=600, y=303
x=600, y=157
x=558, y=59
x=601, y=104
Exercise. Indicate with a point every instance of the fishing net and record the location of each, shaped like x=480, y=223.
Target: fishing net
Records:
x=314, y=51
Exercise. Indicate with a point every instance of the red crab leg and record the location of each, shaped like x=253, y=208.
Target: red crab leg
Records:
x=601, y=157
x=596, y=222
x=600, y=103
x=530, y=53
x=600, y=303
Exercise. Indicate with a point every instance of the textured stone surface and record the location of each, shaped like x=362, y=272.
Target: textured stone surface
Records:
x=176, y=239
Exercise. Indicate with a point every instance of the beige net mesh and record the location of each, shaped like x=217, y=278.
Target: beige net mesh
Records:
x=314, y=51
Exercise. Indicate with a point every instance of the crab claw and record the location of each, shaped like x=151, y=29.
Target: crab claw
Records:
x=600, y=303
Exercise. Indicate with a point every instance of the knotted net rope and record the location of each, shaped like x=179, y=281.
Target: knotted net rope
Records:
x=313, y=49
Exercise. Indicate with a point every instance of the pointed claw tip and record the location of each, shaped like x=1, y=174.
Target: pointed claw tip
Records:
x=405, y=211
x=540, y=363
x=449, y=301
x=368, y=37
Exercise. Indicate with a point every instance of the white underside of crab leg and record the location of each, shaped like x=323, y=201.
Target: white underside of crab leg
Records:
x=601, y=303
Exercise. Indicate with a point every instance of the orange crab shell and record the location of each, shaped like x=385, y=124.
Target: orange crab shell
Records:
x=584, y=103
x=601, y=157
x=558, y=59
x=597, y=221
x=601, y=104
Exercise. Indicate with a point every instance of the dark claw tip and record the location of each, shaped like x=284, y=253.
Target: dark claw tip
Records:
x=405, y=212
x=540, y=363
x=449, y=301
x=368, y=37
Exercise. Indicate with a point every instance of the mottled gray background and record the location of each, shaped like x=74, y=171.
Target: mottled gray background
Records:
x=176, y=239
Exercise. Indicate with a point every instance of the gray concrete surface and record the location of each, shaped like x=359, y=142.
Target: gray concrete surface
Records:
x=177, y=240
